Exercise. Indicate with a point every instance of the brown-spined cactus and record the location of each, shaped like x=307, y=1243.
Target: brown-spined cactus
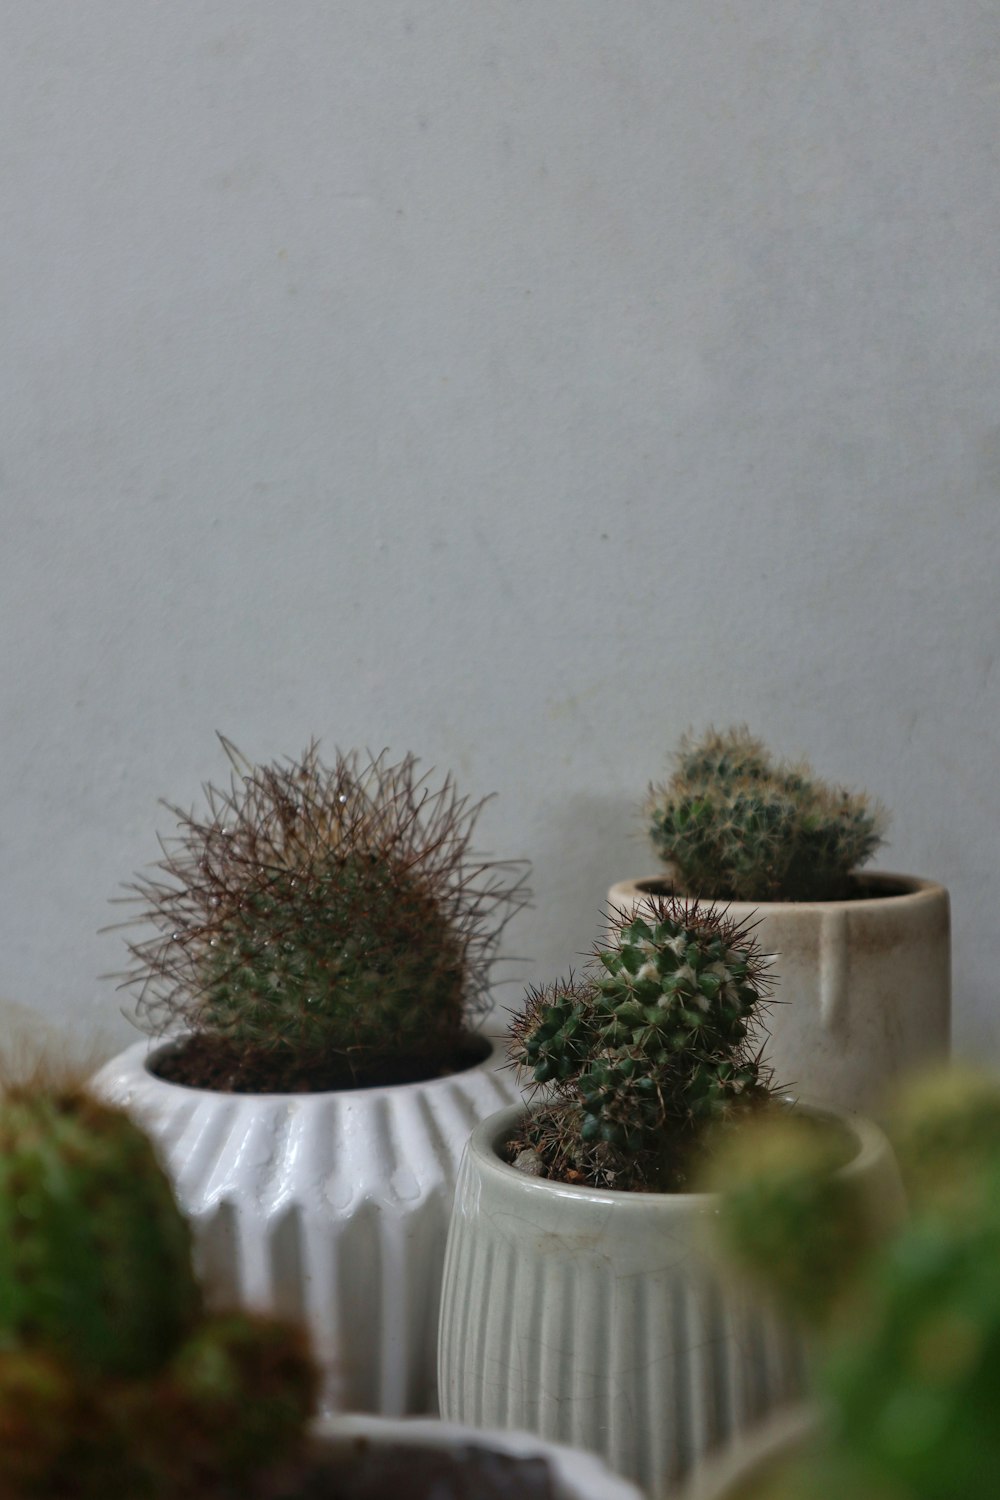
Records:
x=656, y=1041
x=737, y=825
x=321, y=927
x=112, y=1378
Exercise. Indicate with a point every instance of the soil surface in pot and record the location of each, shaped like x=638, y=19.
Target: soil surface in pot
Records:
x=359, y=1469
x=203, y=1061
x=860, y=889
x=685, y=1164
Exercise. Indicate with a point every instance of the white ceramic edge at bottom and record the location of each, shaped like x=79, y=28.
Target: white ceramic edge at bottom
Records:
x=330, y=1209
x=578, y=1475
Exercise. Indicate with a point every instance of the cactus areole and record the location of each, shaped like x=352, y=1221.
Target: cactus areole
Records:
x=659, y=1039
x=322, y=927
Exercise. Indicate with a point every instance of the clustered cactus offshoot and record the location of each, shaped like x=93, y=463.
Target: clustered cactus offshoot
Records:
x=322, y=927
x=655, y=1042
x=910, y=1369
x=112, y=1379
x=737, y=825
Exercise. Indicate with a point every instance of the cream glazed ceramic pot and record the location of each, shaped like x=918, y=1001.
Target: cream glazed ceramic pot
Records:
x=330, y=1208
x=575, y=1475
x=863, y=990
x=599, y=1319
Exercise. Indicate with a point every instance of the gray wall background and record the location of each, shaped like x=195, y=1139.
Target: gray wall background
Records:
x=514, y=381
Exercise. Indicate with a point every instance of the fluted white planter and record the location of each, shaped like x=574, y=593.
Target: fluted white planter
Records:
x=598, y=1319
x=575, y=1475
x=329, y=1208
x=864, y=985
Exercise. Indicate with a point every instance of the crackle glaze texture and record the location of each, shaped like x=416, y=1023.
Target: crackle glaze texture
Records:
x=597, y=1318
x=329, y=1208
x=863, y=987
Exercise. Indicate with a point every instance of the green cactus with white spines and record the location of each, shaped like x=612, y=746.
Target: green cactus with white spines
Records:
x=655, y=1042
x=112, y=1378
x=737, y=825
x=323, y=926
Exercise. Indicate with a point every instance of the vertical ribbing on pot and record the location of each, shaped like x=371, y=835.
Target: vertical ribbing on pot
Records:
x=330, y=1207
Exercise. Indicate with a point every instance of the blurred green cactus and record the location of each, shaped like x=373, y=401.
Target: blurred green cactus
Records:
x=112, y=1379
x=910, y=1370
x=88, y=1270
x=323, y=927
x=788, y=1218
x=738, y=826
x=656, y=1041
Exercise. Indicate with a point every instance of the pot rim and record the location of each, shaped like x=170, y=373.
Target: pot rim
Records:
x=483, y=1144
x=137, y=1058
x=574, y=1469
x=915, y=890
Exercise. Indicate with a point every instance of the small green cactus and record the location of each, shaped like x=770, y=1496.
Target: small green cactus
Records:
x=739, y=826
x=324, y=927
x=112, y=1379
x=654, y=1043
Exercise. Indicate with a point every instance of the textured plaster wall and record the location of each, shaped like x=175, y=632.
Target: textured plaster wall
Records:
x=516, y=381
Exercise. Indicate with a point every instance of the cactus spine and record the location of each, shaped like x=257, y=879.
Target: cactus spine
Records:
x=655, y=1042
x=738, y=826
x=112, y=1379
x=324, y=926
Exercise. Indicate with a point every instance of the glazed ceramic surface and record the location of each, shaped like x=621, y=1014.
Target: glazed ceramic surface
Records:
x=598, y=1319
x=578, y=1476
x=863, y=989
x=329, y=1208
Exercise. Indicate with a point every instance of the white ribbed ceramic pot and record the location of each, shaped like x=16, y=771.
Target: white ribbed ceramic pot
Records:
x=598, y=1319
x=329, y=1208
x=575, y=1475
x=864, y=986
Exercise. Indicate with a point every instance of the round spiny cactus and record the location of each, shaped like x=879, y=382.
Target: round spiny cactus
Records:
x=654, y=1043
x=323, y=926
x=737, y=826
x=112, y=1381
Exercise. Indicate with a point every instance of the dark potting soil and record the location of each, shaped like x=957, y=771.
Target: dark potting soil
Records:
x=203, y=1061
x=361, y=1470
x=860, y=888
